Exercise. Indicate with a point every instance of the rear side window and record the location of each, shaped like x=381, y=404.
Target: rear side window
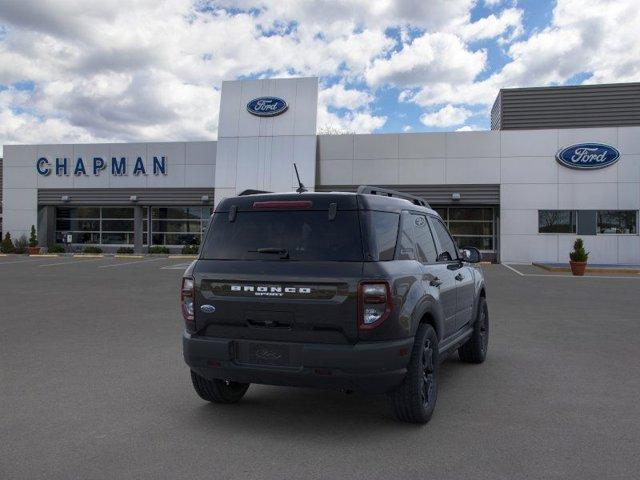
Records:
x=424, y=240
x=305, y=235
x=382, y=233
x=406, y=239
x=447, y=250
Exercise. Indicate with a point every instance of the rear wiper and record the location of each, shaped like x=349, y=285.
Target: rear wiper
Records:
x=283, y=252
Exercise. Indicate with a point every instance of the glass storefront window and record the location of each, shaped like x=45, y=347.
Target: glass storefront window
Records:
x=618, y=221
x=556, y=221
x=178, y=225
x=78, y=212
x=470, y=226
x=95, y=225
x=474, y=214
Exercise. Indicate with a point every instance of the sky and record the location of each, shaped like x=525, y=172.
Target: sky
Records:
x=77, y=71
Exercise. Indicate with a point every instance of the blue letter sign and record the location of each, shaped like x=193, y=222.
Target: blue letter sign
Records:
x=120, y=166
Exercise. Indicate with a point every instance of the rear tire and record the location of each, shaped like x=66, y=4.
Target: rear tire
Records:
x=218, y=391
x=475, y=350
x=415, y=400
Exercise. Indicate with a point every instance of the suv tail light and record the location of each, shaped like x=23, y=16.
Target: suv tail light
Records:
x=186, y=299
x=374, y=304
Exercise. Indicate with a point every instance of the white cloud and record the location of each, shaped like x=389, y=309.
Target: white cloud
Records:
x=509, y=22
x=357, y=119
x=433, y=57
x=151, y=70
x=447, y=116
x=469, y=128
x=351, y=122
x=340, y=97
x=407, y=128
x=596, y=38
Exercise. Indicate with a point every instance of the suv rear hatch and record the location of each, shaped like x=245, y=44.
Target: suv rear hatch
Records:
x=283, y=268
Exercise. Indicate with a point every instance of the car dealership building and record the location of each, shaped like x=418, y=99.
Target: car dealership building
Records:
x=559, y=162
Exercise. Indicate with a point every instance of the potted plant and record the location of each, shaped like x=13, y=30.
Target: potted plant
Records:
x=33, y=249
x=578, y=258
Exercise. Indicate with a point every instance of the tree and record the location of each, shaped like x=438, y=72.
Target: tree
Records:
x=7, y=244
x=331, y=129
x=579, y=254
x=33, y=238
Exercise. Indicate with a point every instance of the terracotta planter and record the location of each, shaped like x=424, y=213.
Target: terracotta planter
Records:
x=578, y=268
x=33, y=250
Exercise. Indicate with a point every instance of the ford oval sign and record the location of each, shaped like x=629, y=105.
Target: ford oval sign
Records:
x=588, y=156
x=206, y=308
x=267, y=106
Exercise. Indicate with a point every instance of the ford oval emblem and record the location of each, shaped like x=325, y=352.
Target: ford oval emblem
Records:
x=207, y=308
x=588, y=156
x=267, y=106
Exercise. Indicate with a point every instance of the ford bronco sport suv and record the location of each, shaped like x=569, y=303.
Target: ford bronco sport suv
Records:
x=361, y=291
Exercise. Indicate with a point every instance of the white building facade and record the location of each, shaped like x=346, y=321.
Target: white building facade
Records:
x=503, y=191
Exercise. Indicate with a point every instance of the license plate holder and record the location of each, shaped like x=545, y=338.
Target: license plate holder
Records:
x=272, y=354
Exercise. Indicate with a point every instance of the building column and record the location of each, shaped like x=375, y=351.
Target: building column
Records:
x=138, y=217
x=46, y=228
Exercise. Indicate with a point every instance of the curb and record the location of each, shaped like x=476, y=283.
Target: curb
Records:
x=88, y=255
x=588, y=270
x=183, y=256
x=45, y=255
x=127, y=255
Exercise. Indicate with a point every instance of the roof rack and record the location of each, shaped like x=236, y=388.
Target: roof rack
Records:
x=252, y=192
x=385, y=192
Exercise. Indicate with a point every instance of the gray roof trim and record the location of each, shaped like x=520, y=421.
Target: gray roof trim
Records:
x=485, y=194
x=121, y=196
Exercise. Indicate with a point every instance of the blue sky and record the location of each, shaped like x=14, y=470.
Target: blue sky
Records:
x=77, y=71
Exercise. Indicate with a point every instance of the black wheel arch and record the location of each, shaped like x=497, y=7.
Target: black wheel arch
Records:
x=430, y=312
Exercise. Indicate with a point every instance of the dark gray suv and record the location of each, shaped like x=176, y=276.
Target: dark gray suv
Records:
x=361, y=291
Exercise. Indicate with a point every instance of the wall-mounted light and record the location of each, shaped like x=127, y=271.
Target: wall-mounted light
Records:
x=204, y=198
x=133, y=198
x=65, y=198
x=455, y=196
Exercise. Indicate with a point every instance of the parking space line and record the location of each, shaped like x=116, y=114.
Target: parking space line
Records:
x=72, y=262
x=30, y=260
x=513, y=269
x=130, y=263
x=177, y=266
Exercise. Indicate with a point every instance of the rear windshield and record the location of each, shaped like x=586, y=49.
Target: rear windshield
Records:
x=304, y=235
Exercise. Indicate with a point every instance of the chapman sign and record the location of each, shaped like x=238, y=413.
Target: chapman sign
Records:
x=118, y=166
x=267, y=106
x=588, y=156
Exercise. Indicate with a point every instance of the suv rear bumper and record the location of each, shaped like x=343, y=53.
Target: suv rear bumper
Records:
x=371, y=367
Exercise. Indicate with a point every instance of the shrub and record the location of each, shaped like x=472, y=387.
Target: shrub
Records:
x=57, y=248
x=125, y=251
x=33, y=238
x=190, y=250
x=158, y=249
x=7, y=245
x=20, y=245
x=91, y=249
x=579, y=254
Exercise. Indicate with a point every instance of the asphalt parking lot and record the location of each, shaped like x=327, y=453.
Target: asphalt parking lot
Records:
x=92, y=385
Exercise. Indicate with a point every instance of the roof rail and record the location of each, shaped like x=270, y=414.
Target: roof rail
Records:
x=250, y=191
x=385, y=192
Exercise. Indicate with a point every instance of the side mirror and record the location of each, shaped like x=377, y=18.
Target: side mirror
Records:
x=470, y=255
